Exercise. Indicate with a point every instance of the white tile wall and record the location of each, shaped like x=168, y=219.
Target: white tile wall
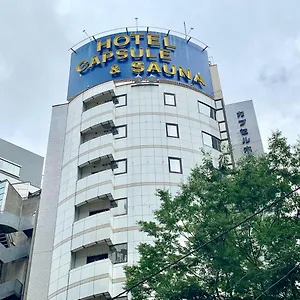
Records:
x=146, y=148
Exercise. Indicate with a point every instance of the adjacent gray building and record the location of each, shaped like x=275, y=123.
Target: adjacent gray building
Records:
x=20, y=179
x=243, y=129
x=18, y=164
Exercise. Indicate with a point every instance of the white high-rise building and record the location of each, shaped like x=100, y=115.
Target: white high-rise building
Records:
x=142, y=107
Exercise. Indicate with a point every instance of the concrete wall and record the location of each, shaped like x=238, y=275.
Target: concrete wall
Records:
x=30, y=206
x=18, y=269
x=32, y=164
x=40, y=262
x=13, y=201
x=15, y=270
x=217, y=89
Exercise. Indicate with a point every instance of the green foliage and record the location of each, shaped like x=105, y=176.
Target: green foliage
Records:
x=247, y=260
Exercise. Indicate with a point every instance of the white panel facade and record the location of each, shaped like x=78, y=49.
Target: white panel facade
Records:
x=96, y=230
x=243, y=129
x=41, y=252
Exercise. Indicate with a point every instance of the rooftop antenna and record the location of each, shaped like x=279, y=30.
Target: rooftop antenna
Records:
x=192, y=28
x=137, y=24
x=87, y=34
x=185, y=31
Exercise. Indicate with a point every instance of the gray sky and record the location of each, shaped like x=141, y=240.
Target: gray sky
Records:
x=256, y=44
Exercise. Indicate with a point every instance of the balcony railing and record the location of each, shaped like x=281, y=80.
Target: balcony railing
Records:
x=11, y=290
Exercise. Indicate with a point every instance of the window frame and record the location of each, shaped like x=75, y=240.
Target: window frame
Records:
x=123, y=137
x=213, y=138
x=170, y=94
x=117, y=105
x=212, y=109
x=126, y=166
x=111, y=252
x=180, y=164
x=9, y=167
x=177, y=130
x=117, y=205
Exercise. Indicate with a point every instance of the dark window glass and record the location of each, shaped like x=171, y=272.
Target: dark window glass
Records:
x=93, y=258
x=118, y=253
x=216, y=143
x=94, y=212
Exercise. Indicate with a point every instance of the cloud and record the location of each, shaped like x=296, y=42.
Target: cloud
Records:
x=255, y=43
x=280, y=75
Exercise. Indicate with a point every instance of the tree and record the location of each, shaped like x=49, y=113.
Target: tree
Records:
x=246, y=261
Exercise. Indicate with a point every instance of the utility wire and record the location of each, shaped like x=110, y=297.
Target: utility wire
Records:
x=205, y=244
x=291, y=270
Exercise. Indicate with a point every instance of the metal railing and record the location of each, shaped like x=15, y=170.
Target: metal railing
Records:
x=139, y=29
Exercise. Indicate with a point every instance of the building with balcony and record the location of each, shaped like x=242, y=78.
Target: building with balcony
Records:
x=143, y=108
x=20, y=171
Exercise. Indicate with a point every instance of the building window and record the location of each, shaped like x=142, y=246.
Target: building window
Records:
x=119, y=207
x=121, y=167
x=170, y=99
x=9, y=167
x=207, y=110
x=121, y=132
x=94, y=212
x=118, y=253
x=122, y=100
x=172, y=130
x=93, y=258
x=175, y=165
x=222, y=126
x=211, y=141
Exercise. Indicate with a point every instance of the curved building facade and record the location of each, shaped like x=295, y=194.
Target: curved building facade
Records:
x=119, y=139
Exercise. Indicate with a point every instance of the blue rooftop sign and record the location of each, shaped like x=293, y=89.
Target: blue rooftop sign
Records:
x=124, y=55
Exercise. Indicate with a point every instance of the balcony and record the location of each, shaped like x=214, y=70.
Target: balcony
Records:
x=99, y=99
x=94, y=205
x=94, y=186
x=98, y=130
x=96, y=148
x=11, y=223
x=11, y=290
x=13, y=253
x=97, y=115
x=96, y=165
